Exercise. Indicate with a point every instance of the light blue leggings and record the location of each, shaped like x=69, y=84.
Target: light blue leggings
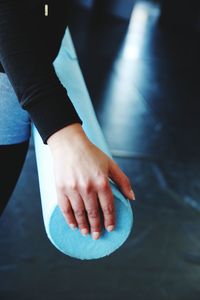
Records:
x=15, y=123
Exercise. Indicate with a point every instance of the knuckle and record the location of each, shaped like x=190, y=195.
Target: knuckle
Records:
x=96, y=228
x=60, y=187
x=93, y=213
x=109, y=209
x=79, y=212
x=103, y=183
x=73, y=185
x=66, y=211
x=86, y=187
x=82, y=225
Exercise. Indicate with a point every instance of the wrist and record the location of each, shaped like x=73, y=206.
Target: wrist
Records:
x=67, y=136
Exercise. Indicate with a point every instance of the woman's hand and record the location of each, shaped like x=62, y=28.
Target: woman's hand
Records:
x=82, y=173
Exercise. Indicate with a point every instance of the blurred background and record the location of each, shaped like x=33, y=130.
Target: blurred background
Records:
x=141, y=62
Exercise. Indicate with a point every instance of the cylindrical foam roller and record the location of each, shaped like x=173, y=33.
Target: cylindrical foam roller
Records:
x=71, y=242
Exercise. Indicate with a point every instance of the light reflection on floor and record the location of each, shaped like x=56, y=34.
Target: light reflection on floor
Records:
x=123, y=104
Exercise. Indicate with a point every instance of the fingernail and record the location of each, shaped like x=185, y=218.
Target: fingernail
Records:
x=132, y=195
x=72, y=226
x=84, y=231
x=95, y=235
x=110, y=227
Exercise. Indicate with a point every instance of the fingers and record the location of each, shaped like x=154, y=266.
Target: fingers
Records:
x=82, y=207
x=118, y=176
x=93, y=212
x=66, y=209
x=106, y=200
x=73, y=211
x=93, y=201
x=81, y=204
x=79, y=211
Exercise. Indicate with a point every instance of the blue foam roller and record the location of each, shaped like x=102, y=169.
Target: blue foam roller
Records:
x=68, y=241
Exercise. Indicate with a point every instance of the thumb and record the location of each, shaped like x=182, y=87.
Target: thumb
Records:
x=118, y=176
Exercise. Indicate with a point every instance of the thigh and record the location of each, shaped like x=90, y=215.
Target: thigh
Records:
x=12, y=157
x=15, y=130
x=15, y=123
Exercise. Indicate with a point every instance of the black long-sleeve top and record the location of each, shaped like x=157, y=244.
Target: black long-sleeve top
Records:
x=29, y=43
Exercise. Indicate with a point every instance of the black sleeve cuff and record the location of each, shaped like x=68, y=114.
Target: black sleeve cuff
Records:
x=52, y=113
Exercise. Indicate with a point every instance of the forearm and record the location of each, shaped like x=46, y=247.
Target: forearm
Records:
x=26, y=61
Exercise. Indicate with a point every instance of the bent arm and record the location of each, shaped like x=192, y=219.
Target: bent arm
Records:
x=25, y=59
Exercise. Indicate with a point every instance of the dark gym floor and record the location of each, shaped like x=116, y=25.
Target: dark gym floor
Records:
x=143, y=78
